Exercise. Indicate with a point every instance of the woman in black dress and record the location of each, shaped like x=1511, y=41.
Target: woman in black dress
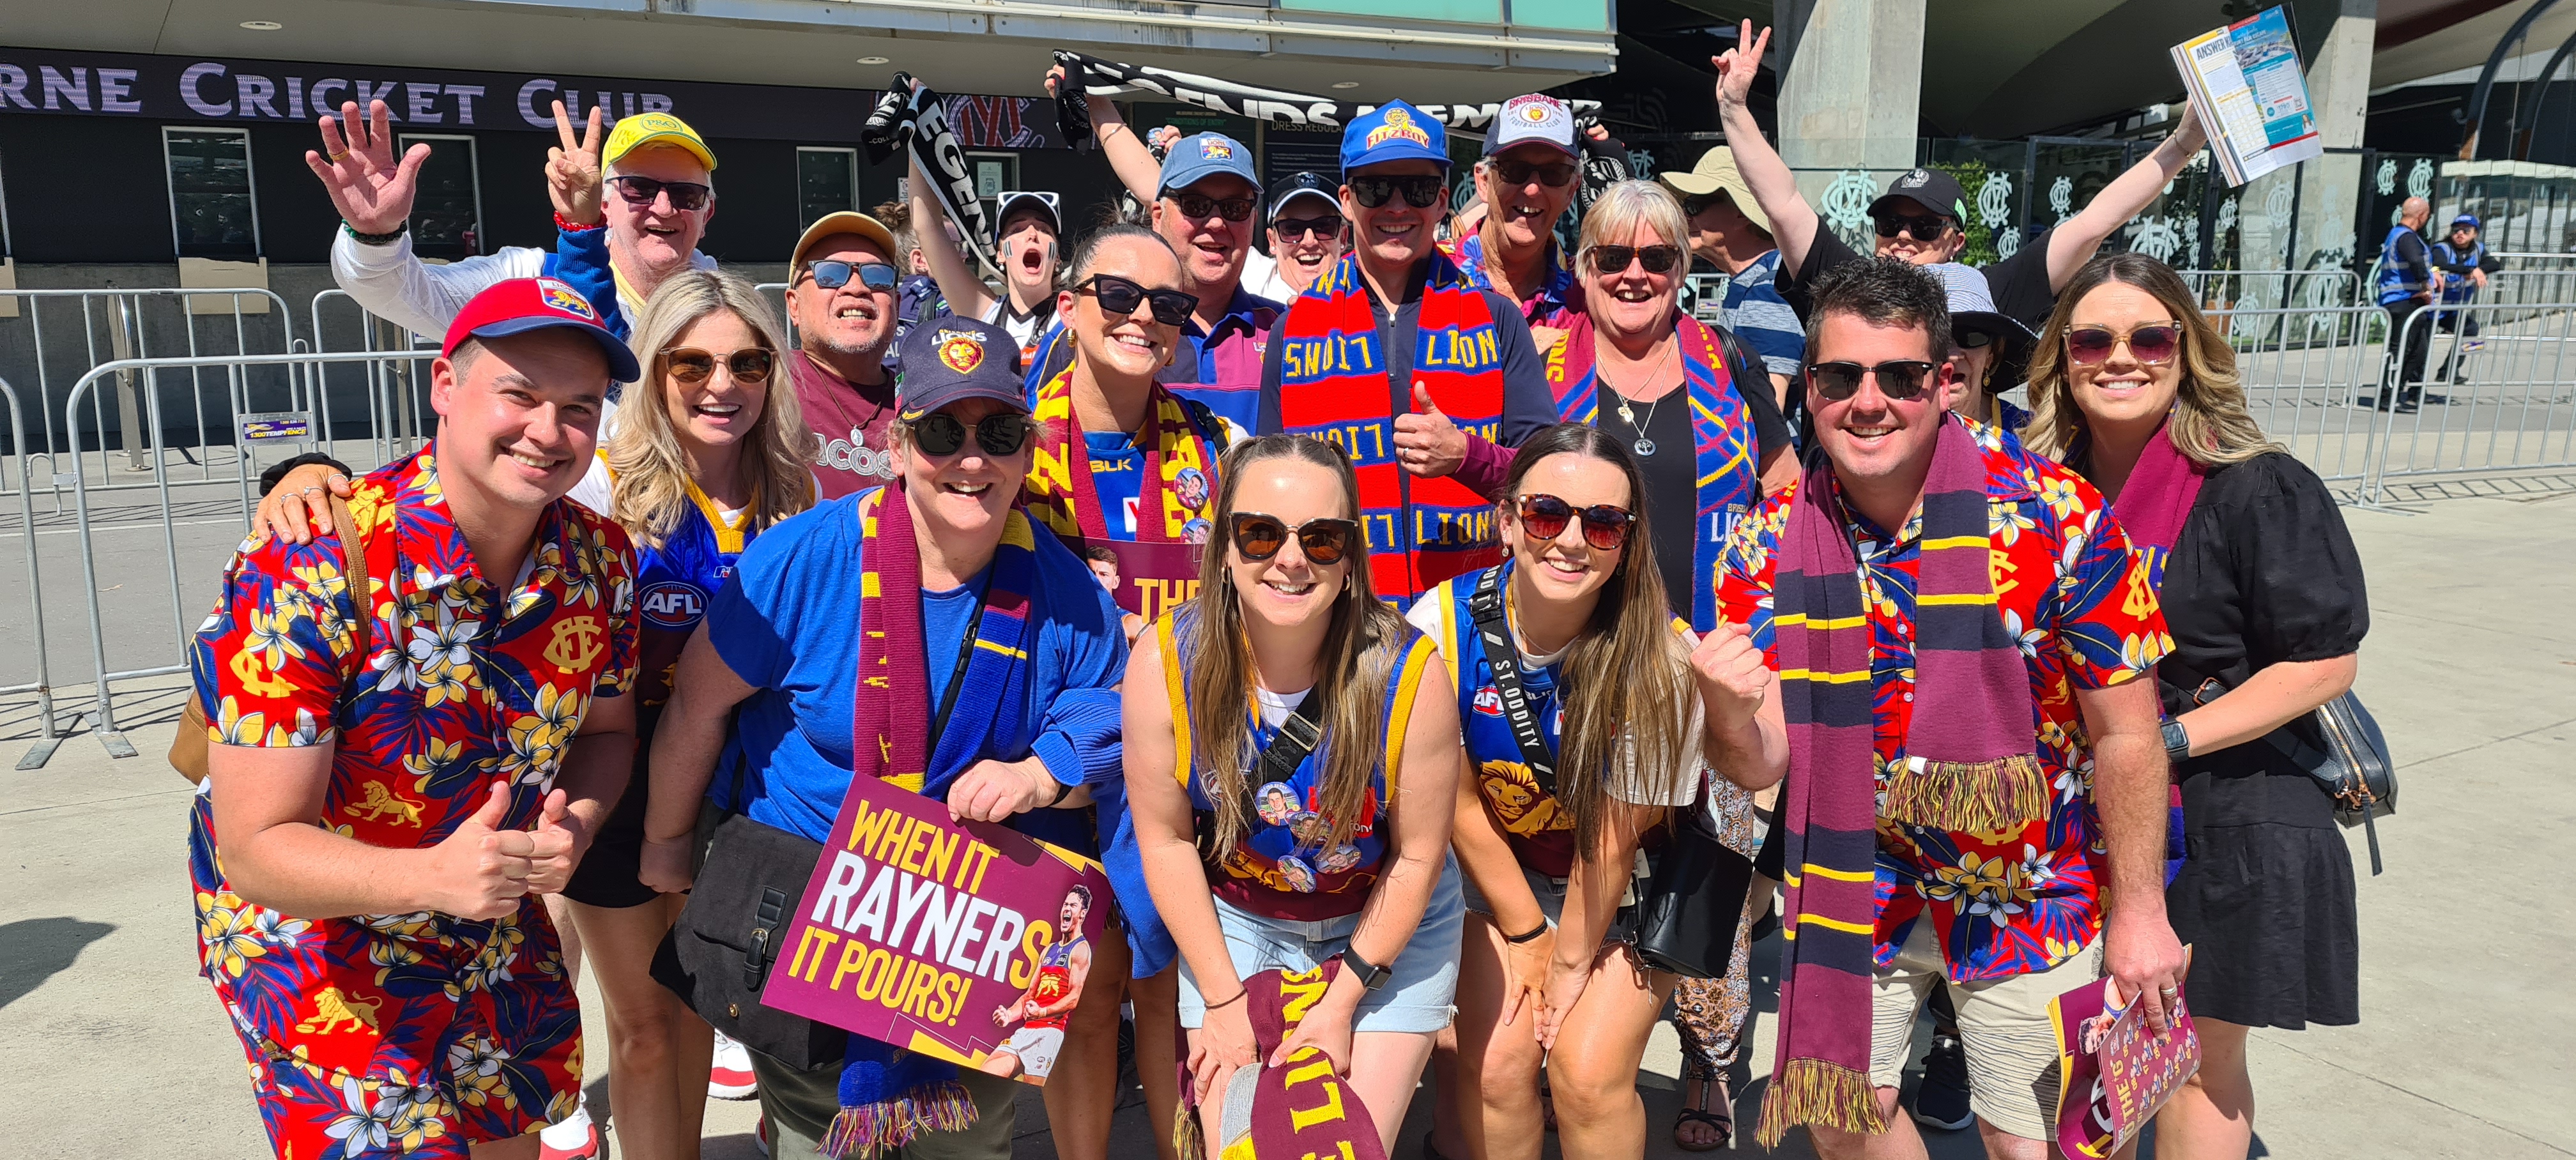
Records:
x=2263, y=594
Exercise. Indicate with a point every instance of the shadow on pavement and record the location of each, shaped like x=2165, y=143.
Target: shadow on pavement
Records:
x=36, y=949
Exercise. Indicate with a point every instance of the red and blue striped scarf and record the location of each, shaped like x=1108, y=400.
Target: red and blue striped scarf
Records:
x=1333, y=386
x=1722, y=438
x=1973, y=762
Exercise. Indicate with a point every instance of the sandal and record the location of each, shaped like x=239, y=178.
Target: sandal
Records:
x=1719, y=1118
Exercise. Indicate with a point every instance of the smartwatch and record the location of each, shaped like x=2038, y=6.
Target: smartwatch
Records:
x=1371, y=977
x=2177, y=743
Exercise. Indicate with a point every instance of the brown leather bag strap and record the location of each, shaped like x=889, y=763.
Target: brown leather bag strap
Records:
x=353, y=547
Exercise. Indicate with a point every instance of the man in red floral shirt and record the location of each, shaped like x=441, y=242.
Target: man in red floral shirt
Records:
x=1941, y=569
x=367, y=847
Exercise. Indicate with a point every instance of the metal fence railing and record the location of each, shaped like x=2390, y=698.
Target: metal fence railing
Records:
x=22, y=628
x=2484, y=387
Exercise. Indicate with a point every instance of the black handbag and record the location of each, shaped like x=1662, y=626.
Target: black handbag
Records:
x=2349, y=758
x=719, y=954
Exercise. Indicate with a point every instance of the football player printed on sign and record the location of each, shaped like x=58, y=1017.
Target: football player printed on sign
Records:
x=1050, y=998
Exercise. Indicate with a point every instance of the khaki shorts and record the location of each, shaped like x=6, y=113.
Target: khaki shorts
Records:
x=2004, y=1025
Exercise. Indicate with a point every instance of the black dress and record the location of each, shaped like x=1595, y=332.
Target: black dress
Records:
x=2263, y=572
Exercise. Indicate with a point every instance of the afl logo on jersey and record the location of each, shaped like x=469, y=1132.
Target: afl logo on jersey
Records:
x=674, y=604
x=1489, y=702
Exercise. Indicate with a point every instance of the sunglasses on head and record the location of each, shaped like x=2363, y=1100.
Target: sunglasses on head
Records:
x=1327, y=227
x=685, y=195
x=1200, y=205
x=833, y=273
x=1120, y=297
x=1420, y=190
x=690, y=365
x=1899, y=379
x=1000, y=435
x=2153, y=344
x=1615, y=259
x=1604, y=527
x=1926, y=228
x=1553, y=174
x=1258, y=537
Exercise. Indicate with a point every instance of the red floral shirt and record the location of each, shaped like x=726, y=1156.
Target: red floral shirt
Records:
x=2013, y=901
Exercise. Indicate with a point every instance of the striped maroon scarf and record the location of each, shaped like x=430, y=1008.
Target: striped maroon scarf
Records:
x=1972, y=764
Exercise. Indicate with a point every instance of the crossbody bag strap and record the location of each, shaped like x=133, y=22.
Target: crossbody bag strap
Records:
x=353, y=546
x=1486, y=607
x=1298, y=736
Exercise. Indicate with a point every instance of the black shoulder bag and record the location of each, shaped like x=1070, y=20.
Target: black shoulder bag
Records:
x=2353, y=763
x=718, y=954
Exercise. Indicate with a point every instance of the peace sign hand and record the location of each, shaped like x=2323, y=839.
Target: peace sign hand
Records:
x=371, y=190
x=1736, y=66
x=573, y=173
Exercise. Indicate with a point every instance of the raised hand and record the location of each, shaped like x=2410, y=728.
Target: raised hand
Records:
x=372, y=191
x=1736, y=66
x=554, y=846
x=1426, y=442
x=573, y=172
x=480, y=871
x=1733, y=676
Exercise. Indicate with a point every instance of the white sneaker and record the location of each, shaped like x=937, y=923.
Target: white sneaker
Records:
x=573, y=1139
x=731, y=1078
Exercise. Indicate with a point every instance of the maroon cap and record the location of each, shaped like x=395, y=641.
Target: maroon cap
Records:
x=520, y=305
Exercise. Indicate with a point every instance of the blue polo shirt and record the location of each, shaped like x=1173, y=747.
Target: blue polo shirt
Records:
x=788, y=626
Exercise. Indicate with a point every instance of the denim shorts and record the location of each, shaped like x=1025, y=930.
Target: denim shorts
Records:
x=1550, y=894
x=1420, y=998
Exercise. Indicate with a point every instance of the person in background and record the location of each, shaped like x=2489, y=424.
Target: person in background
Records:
x=1923, y=216
x=1600, y=670
x=841, y=302
x=1025, y=248
x=940, y=543
x=2408, y=282
x=1728, y=230
x=1286, y=625
x=661, y=170
x=1908, y=557
x=917, y=298
x=1388, y=346
x=1305, y=237
x=1985, y=344
x=402, y=807
x=2465, y=265
x=2263, y=589
x=1205, y=198
x=1525, y=180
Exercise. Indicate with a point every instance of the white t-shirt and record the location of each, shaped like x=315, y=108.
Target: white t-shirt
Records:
x=1627, y=785
x=596, y=491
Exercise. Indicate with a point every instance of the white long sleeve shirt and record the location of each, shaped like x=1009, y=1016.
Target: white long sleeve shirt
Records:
x=392, y=283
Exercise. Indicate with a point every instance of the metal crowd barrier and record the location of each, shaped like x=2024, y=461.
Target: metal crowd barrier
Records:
x=2301, y=369
x=2500, y=396
x=2232, y=290
x=48, y=737
x=395, y=391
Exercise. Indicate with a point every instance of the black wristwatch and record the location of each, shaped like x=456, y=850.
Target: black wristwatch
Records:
x=1371, y=977
x=2177, y=743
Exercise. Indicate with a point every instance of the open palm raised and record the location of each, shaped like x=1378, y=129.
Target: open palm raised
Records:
x=372, y=190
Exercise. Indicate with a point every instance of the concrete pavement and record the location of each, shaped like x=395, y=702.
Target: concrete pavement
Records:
x=111, y=1047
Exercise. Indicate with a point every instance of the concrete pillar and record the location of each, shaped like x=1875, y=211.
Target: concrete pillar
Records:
x=1851, y=86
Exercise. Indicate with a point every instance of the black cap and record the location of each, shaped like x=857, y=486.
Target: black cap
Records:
x=947, y=360
x=1301, y=184
x=1933, y=188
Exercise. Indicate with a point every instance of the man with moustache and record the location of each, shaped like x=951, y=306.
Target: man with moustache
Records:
x=1388, y=346
x=841, y=303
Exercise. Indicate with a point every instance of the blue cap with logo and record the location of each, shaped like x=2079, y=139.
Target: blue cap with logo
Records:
x=948, y=360
x=1196, y=158
x=1394, y=131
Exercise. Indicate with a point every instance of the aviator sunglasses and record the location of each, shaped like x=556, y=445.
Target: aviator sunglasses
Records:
x=832, y=274
x=2153, y=344
x=685, y=195
x=1604, y=527
x=1000, y=435
x=1898, y=379
x=1258, y=537
x=690, y=365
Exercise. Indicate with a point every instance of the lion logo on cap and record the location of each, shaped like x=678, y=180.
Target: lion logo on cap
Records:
x=1399, y=126
x=1215, y=149
x=961, y=350
x=561, y=297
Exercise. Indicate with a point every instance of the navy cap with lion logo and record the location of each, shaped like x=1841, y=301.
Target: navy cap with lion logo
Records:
x=951, y=359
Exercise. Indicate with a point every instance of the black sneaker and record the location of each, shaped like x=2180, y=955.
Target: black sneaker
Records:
x=1942, y=1101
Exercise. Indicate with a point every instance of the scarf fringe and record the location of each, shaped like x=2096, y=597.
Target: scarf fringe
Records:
x=1968, y=797
x=860, y=1133
x=1188, y=1137
x=1813, y=1091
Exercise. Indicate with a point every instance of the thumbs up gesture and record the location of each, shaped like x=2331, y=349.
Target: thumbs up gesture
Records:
x=1426, y=442
x=481, y=871
x=554, y=846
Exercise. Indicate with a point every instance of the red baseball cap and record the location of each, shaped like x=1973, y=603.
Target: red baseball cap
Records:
x=520, y=305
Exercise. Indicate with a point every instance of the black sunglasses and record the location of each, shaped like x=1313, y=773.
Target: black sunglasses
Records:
x=690, y=365
x=1927, y=228
x=1120, y=297
x=1604, y=527
x=685, y=195
x=833, y=273
x=1514, y=171
x=1699, y=203
x=1420, y=190
x=1001, y=434
x=1200, y=205
x=1327, y=227
x=1258, y=537
x=1615, y=259
x=1898, y=379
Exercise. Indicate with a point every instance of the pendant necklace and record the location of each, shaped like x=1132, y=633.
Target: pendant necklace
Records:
x=1644, y=446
